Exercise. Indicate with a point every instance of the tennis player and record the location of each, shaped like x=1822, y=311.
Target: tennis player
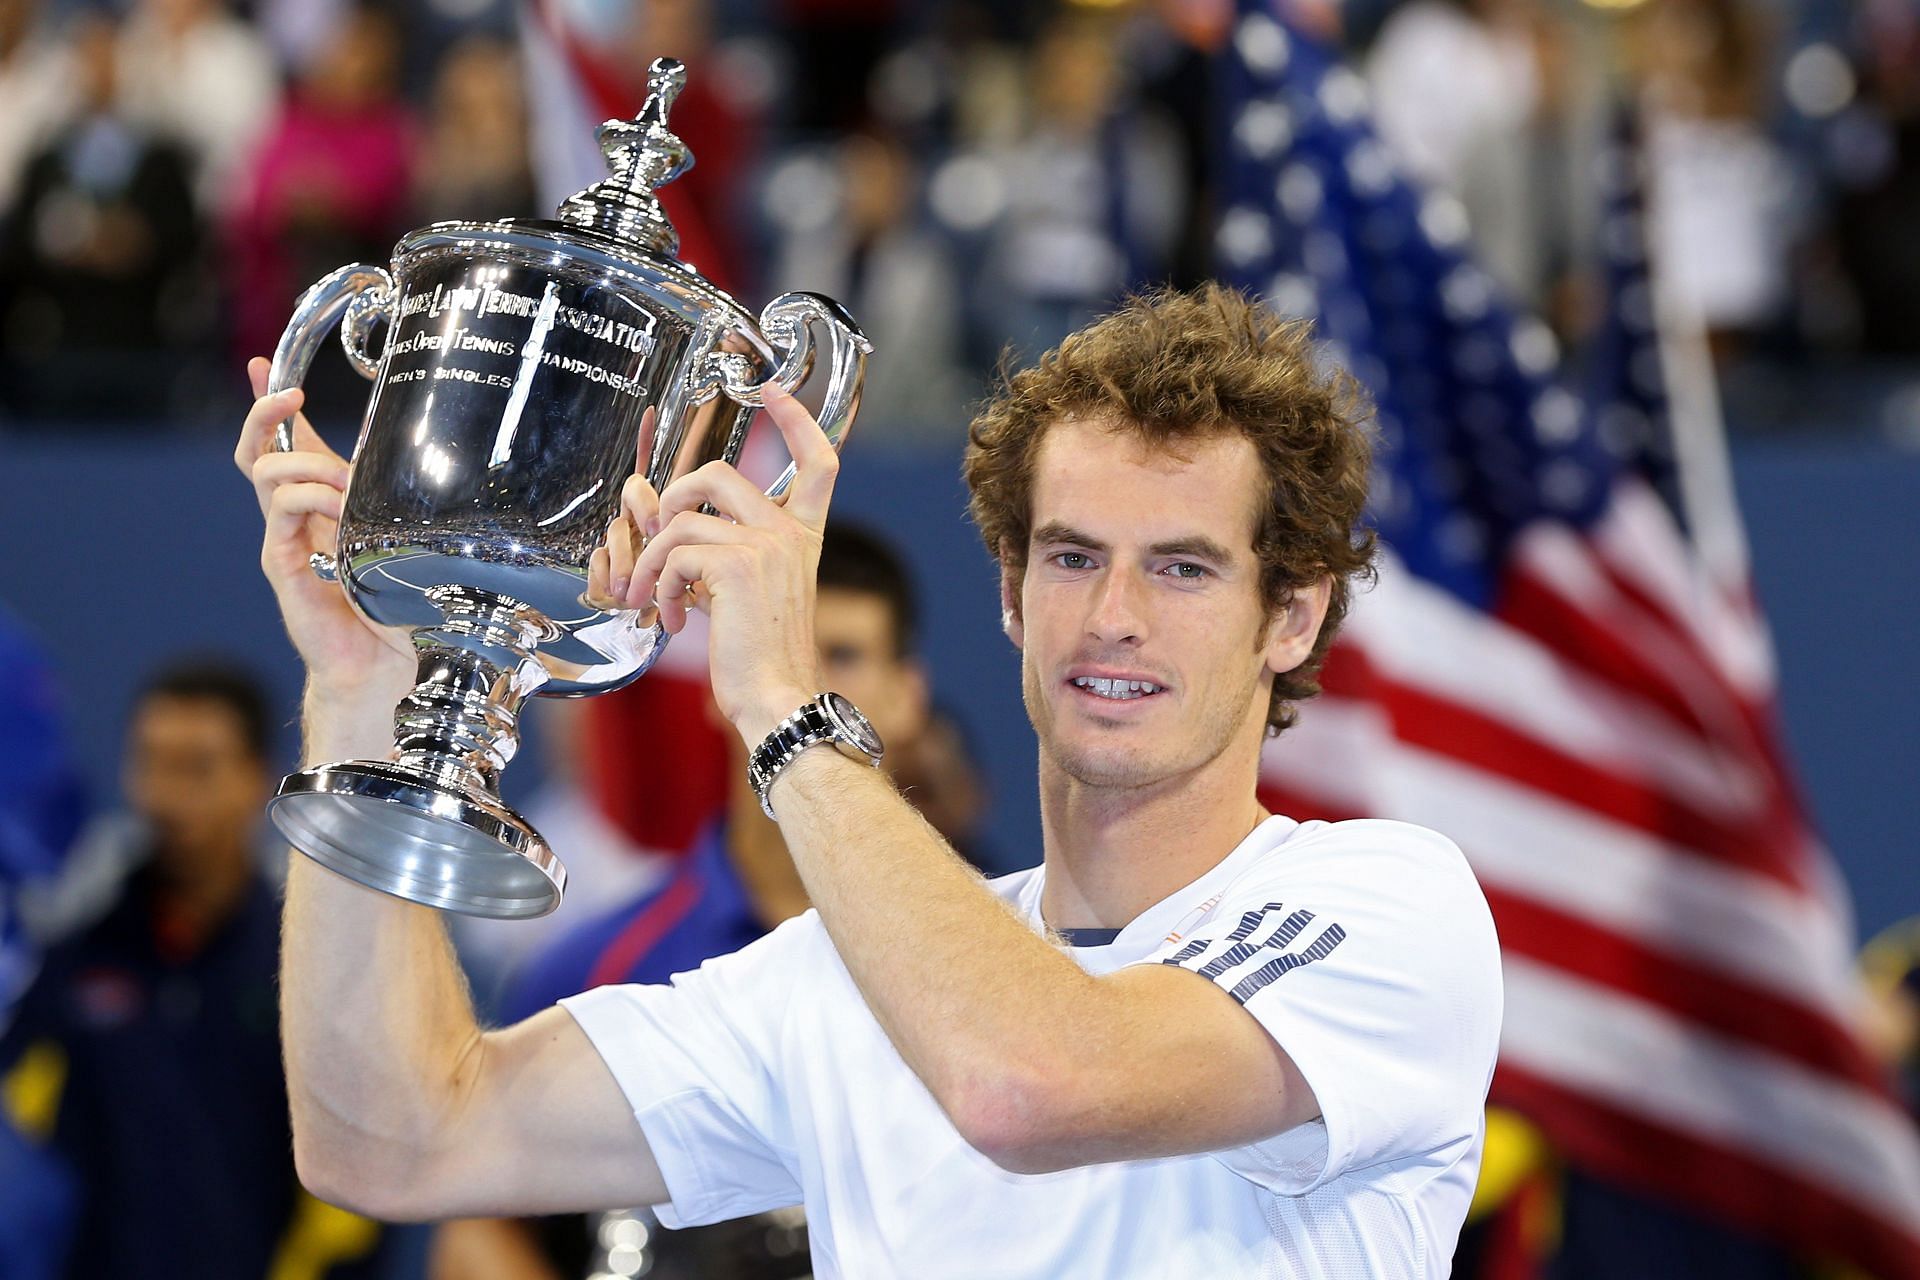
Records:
x=1198, y=1040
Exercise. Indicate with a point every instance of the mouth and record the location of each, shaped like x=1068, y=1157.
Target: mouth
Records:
x=1113, y=689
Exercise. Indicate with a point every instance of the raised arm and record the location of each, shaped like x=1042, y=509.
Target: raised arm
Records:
x=403, y=1106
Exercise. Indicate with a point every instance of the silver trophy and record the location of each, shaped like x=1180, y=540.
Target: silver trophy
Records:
x=510, y=402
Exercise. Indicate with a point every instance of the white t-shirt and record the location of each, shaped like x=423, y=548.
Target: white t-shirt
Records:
x=1365, y=948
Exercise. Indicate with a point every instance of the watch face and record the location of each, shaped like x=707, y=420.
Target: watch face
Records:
x=848, y=717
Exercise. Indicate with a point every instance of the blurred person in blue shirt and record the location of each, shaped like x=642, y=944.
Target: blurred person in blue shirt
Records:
x=150, y=1037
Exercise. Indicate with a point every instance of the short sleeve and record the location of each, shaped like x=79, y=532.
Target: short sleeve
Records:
x=698, y=1059
x=1370, y=957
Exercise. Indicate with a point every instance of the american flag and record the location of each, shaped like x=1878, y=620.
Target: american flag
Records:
x=1552, y=673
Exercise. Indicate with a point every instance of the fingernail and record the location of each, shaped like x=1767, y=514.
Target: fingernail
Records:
x=775, y=390
x=653, y=526
x=620, y=588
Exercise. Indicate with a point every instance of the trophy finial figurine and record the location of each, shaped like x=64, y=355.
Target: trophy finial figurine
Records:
x=642, y=154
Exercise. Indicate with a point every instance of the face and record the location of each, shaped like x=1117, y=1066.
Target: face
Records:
x=189, y=773
x=1147, y=653
x=860, y=659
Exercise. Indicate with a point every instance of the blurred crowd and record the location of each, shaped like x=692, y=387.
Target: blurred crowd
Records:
x=969, y=175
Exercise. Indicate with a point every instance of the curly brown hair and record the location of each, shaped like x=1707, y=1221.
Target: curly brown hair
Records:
x=1173, y=366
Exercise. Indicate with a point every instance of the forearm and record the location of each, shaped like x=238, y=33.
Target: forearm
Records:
x=979, y=1005
x=380, y=1036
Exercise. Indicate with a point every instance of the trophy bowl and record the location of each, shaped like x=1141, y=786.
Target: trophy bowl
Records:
x=527, y=365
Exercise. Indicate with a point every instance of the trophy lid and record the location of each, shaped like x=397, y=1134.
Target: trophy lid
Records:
x=642, y=154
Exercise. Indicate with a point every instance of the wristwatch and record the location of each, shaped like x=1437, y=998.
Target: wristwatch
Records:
x=827, y=718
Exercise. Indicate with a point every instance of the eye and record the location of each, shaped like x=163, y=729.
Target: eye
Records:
x=1073, y=560
x=1188, y=570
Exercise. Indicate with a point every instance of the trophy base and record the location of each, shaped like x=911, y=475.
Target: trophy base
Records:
x=434, y=842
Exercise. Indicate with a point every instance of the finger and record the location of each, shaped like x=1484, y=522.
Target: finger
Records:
x=271, y=470
x=599, y=592
x=622, y=548
x=816, y=463
x=689, y=529
x=259, y=369
x=722, y=487
x=256, y=432
x=294, y=504
x=639, y=503
x=643, y=447
x=689, y=570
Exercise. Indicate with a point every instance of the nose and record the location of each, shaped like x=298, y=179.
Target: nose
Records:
x=1117, y=614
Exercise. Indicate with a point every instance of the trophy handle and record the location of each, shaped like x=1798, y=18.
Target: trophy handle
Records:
x=787, y=324
x=366, y=294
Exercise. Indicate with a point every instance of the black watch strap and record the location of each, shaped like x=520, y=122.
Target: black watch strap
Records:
x=814, y=723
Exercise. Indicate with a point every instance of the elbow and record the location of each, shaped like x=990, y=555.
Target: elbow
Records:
x=332, y=1172
x=1022, y=1120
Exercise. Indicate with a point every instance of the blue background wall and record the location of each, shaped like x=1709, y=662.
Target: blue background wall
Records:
x=121, y=551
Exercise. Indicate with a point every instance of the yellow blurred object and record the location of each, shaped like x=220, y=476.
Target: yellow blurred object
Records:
x=31, y=1091
x=1515, y=1151
x=319, y=1237
x=1615, y=6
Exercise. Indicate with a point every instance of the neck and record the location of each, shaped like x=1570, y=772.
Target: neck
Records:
x=1112, y=852
x=761, y=860
x=207, y=894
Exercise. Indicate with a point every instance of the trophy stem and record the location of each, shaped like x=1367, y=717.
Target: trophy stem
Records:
x=429, y=825
x=461, y=723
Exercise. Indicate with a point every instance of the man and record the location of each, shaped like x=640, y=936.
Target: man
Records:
x=734, y=887
x=153, y=1028
x=1055, y=1074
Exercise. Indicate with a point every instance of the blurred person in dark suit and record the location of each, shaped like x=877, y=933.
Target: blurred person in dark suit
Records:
x=151, y=1034
x=99, y=257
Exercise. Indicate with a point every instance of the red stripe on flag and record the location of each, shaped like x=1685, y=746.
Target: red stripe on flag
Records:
x=1771, y=1201
x=1722, y=1004
x=1451, y=729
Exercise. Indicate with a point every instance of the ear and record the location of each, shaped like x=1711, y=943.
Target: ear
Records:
x=1291, y=634
x=1010, y=620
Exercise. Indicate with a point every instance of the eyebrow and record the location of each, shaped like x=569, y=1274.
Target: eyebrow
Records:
x=1196, y=545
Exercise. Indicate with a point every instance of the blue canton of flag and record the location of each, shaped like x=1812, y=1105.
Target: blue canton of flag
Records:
x=1477, y=437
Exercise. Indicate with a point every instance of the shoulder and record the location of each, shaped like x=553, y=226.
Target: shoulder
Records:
x=1369, y=852
x=1410, y=881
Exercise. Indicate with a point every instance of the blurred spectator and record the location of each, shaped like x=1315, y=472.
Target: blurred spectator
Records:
x=853, y=229
x=1095, y=191
x=474, y=164
x=157, y=1024
x=36, y=90
x=332, y=183
x=99, y=258
x=1490, y=102
x=1719, y=185
x=203, y=78
x=738, y=883
x=1879, y=201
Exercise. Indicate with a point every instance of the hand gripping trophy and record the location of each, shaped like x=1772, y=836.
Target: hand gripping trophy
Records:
x=526, y=365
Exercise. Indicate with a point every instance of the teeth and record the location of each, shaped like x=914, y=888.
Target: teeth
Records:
x=1120, y=689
